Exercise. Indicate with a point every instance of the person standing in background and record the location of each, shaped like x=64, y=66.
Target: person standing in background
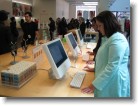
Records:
x=63, y=26
x=30, y=29
x=37, y=22
x=112, y=78
x=57, y=25
x=82, y=26
x=52, y=28
x=88, y=24
x=14, y=29
x=6, y=36
x=71, y=24
x=21, y=23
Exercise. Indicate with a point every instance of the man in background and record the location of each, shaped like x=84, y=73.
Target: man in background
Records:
x=51, y=28
x=30, y=29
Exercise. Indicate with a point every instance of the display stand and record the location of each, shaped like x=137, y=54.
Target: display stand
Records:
x=13, y=52
x=24, y=47
x=74, y=62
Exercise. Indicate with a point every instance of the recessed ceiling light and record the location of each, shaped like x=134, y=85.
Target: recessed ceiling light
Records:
x=16, y=1
x=90, y=3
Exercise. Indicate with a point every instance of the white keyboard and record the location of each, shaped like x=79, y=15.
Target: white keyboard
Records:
x=77, y=79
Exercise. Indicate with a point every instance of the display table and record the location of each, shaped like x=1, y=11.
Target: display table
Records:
x=41, y=85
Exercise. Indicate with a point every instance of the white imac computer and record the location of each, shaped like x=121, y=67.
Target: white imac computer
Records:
x=72, y=44
x=57, y=58
x=79, y=37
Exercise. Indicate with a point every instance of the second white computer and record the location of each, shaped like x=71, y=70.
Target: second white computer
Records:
x=79, y=37
x=72, y=44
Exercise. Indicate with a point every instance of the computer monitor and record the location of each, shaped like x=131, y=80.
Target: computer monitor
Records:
x=72, y=44
x=79, y=37
x=57, y=58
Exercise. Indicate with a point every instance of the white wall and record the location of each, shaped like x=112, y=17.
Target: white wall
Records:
x=6, y=5
x=72, y=11
x=62, y=9
x=43, y=9
x=121, y=5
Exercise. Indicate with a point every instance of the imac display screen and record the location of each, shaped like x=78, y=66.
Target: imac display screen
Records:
x=72, y=40
x=80, y=35
x=57, y=52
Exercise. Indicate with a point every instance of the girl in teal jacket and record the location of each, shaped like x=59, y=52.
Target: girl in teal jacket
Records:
x=112, y=77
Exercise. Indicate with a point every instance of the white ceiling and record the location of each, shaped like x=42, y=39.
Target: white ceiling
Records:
x=80, y=2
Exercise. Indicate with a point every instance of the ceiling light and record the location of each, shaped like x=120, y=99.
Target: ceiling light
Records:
x=16, y=1
x=90, y=3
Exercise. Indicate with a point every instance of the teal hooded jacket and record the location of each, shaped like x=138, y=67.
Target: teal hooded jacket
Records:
x=112, y=77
